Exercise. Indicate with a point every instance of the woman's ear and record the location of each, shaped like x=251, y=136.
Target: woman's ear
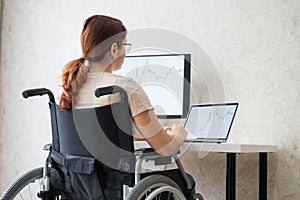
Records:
x=114, y=50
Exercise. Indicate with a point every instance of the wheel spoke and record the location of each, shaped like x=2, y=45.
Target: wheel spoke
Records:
x=156, y=187
x=20, y=195
x=169, y=196
x=25, y=186
x=29, y=192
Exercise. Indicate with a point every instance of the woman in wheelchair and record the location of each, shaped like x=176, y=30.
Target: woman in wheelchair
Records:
x=103, y=166
x=104, y=43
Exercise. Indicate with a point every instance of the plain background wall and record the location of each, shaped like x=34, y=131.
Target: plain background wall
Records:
x=255, y=46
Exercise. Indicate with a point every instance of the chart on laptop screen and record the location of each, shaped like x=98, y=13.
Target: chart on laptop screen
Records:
x=210, y=122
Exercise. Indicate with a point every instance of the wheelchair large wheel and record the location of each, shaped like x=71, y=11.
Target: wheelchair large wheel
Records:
x=156, y=187
x=26, y=187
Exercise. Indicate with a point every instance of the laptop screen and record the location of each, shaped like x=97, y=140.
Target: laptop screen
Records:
x=210, y=122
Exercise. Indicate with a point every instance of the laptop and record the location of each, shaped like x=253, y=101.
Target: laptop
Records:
x=210, y=122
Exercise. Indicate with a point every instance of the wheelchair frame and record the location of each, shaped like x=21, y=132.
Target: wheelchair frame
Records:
x=129, y=193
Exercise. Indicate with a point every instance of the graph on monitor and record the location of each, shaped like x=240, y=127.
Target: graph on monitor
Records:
x=165, y=79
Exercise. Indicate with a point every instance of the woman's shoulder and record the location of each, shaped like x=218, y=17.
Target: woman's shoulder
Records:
x=126, y=80
x=110, y=76
x=105, y=78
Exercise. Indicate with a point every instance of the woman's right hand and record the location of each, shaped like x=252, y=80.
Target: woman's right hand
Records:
x=178, y=132
x=165, y=141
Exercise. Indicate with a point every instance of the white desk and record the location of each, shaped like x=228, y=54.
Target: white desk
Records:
x=231, y=150
x=228, y=148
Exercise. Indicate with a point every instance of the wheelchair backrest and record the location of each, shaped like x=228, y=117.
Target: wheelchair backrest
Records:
x=102, y=132
x=93, y=153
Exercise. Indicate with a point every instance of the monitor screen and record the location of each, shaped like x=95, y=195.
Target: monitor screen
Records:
x=166, y=80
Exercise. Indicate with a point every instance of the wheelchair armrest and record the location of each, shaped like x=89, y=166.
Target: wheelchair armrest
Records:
x=146, y=154
x=142, y=151
x=150, y=154
x=47, y=147
x=151, y=151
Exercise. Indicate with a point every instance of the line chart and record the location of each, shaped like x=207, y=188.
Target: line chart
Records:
x=213, y=117
x=145, y=70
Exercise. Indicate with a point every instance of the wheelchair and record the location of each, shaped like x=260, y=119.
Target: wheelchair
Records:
x=108, y=168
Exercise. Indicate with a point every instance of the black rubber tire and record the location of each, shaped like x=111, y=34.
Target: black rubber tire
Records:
x=150, y=183
x=22, y=182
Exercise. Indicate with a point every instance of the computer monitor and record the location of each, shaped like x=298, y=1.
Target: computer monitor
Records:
x=166, y=80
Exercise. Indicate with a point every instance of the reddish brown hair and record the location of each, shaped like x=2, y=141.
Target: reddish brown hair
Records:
x=98, y=34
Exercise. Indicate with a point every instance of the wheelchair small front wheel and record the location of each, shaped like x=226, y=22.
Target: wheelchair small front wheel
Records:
x=156, y=187
x=26, y=187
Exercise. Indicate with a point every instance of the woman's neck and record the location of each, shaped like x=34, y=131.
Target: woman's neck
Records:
x=100, y=67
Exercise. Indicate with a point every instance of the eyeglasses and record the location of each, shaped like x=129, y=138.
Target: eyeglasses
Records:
x=127, y=47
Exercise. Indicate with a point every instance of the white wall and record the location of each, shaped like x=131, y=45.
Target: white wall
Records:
x=255, y=46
